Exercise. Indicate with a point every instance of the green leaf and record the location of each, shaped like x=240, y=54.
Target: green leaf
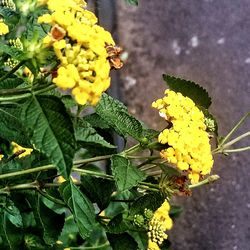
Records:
x=117, y=116
x=98, y=190
x=84, y=132
x=10, y=16
x=190, y=89
x=141, y=238
x=122, y=242
x=96, y=121
x=132, y=2
x=11, y=128
x=14, y=216
x=49, y=222
x=80, y=206
x=175, y=211
x=12, y=51
x=119, y=225
x=10, y=234
x=126, y=175
x=52, y=130
x=10, y=83
x=151, y=201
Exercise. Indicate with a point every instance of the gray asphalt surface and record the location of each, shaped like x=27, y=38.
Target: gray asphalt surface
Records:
x=207, y=41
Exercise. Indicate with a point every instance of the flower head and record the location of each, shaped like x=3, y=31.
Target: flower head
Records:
x=187, y=142
x=158, y=225
x=4, y=29
x=80, y=45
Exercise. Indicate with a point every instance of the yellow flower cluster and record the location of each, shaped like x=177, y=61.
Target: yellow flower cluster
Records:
x=17, y=148
x=158, y=225
x=1, y=157
x=4, y=29
x=187, y=140
x=80, y=45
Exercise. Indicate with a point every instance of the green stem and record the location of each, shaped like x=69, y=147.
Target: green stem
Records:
x=49, y=197
x=93, y=247
x=27, y=171
x=12, y=71
x=236, y=139
x=97, y=174
x=209, y=180
x=236, y=150
x=131, y=150
x=27, y=94
x=97, y=158
x=234, y=129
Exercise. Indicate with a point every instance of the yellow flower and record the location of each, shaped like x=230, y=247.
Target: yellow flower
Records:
x=4, y=29
x=1, y=157
x=80, y=45
x=187, y=142
x=158, y=225
x=17, y=148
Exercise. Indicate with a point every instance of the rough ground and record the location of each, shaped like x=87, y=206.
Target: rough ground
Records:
x=207, y=41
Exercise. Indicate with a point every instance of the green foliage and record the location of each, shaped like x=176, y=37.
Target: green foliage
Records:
x=80, y=206
x=98, y=190
x=122, y=241
x=52, y=130
x=116, y=115
x=11, y=236
x=77, y=186
x=126, y=175
x=50, y=223
x=132, y=2
x=86, y=134
x=188, y=88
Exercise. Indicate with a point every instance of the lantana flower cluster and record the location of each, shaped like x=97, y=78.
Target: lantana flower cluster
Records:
x=158, y=225
x=186, y=139
x=80, y=45
x=4, y=29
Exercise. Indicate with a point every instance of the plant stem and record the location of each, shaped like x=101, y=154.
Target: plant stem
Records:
x=97, y=158
x=27, y=171
x=234, y=129
x=93, y=247
x=209, y=180
x=13, y=70
x=236, y=150
x=236, y=139
x=49, y=197
x=131, y=150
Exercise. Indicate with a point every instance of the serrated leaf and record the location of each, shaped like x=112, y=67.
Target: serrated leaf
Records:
x=116, y=115
x=11, y=128
x=80, y=206
x=118, y=225
x=14, y=216
x=190, y=89
x=122, y=241
x=97, y=121
x=151, y=201
x=10, y=83
x=125, y=174
x=84, y=132
x=11, y=235
x=98, y=190
x=12, y=51
x=49, y=222
x=132, y=2
x=52, y=128
x=10, y=16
